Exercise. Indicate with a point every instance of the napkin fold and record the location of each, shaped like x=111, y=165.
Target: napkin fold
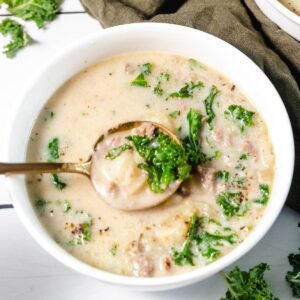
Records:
x=238, y=22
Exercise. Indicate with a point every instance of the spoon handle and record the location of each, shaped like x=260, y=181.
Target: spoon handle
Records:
x=36, y=168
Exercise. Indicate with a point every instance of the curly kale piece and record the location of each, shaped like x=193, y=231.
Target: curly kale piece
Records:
x=187, y=91
x=200, y=241
x=39, y=11
x=241, y=116
x=117, y=151
x=19, y=38
x=191, y=143
x=251, y=285
x=165, y=160
x=208, y=103
x=293, y=277
x=140, y=80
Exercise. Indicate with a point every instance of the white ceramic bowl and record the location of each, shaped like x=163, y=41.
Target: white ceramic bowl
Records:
x=282, y=16
x=160, y=37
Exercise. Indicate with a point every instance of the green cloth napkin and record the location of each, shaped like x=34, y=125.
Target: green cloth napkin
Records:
x=240, y=23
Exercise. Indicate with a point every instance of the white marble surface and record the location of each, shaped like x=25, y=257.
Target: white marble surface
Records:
x=27, y=272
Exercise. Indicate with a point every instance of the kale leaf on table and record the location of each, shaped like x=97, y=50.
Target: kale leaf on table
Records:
x=251, y=285
x=19, y=38
x=39, y=11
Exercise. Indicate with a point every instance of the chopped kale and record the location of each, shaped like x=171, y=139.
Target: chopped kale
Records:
x=265, y=194
x=165, y=160
x=53, y=149
x=293, y=277
x=244, y=156
x=223, y=175
x=113, y=250
x=249, y=285
x=191, y=143
x=163, y=77
x=66, y=206
x=57, y=182
x=187, y=91
x=241, y=116
x=194, y=64
x=208, y=103
x=140, y=80
x=41, y=203
x=174, y=114
x=39, y=11
x=204, y=241
x=117, y=151
x=19, y=38
x=86, y=231
x=230, y=203
x=185, y=255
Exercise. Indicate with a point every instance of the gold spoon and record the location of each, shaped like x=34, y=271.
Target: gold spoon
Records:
x=85, y=167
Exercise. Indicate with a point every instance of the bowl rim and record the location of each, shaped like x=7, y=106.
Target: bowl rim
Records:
x=285, y=11
x=158, y=283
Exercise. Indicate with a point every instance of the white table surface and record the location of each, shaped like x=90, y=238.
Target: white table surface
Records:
x=27, y=271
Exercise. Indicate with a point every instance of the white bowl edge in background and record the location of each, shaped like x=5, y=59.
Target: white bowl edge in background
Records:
x=157, y=37
x=282, y=16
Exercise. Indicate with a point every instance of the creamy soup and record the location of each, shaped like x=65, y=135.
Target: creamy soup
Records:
x=226, y=165
x=293, y=5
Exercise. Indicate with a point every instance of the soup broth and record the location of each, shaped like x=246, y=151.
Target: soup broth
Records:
x=221, y=199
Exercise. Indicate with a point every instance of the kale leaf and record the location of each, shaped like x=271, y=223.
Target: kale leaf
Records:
x=204, y=241
x=39, y=11
x=241, y=116
x=57, y=182
x=117, y=151
x=230, y=203
x=140, y=80
x=187, y=91
x=191, y=143
x=293, y=277
x=208, y=103
x=163, y=77
x=53, y=149
x=222, y=175
x=41, y=203
x=265, y=194
x=165, y=160
x=249, y=285
x=19, y=38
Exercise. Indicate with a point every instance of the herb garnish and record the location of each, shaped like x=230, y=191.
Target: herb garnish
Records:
x=244, y=156
x=39, y=11
x=175, y=114
x=53, y=149
x=113, y=250
x=230, y=203
x=19, y=38
x=41, y=203
x=222, y=175
x=191, y=143
x=208, y=103
x=244, y=285
x=293, y=277
x=241, y=116
x=194, y=64
x=200, y=240
x=165, y=160
x=57, y=182
x=163, y=77
x=187, y=91
x=117, y=151
x=140, y=80
x=265, y=194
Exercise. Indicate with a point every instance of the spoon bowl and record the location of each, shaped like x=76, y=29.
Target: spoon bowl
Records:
x=86, y=168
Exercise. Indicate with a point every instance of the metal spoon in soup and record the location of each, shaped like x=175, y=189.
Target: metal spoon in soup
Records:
x=135, y=165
